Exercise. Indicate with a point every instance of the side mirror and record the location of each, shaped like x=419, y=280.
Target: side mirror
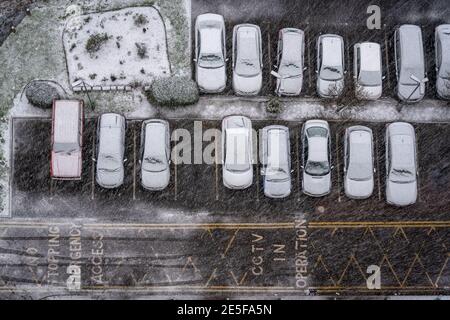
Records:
x=383, y=77
x=125, y=160
x=332, y=167
x=227, y=59
x=93, y=159
x=275, y=74
x=305, y=68
x=195, y=59
x=263, y=172
x=317, y=71
x=302, y=167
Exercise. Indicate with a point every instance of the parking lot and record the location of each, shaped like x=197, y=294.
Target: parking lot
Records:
x=346, y=18
x=196, y=192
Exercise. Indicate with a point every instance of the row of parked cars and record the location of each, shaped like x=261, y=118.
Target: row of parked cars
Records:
x=247, y=61
x=238, y=157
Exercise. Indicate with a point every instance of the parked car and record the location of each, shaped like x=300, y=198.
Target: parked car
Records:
x=442, y=48
x=367, y=71
x=316, y=160
x=155, y=154
x=210, y=53
x=409, y=63
x=401, y=164
x=330, y=65
x=237, y=152
x=275, y=155
x=67, y=139
x=290, y=62
x=247, y=59
x=110, y=150
x=358, y=162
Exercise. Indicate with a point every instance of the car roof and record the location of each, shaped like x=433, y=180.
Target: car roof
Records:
x=444, y=36
x=370, y=56
x=66, y=124
x=111, y=134
x=111, y=120
x=360, y=146
x=402, y=150
x=155, y=138
x=412, y=46
x=246, y=39
x=332, y=50
x=277, y=141
x=211, y=40
x=292, y=45
x=317, y=149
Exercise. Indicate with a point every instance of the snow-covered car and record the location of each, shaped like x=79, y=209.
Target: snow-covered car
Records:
x=275, y=155
x=247, y=59
x=237, y=152
x=409, y=63
x=290, y=62
x=155, y=154
x=358, y=162
x=110, y=150
x=316, y=159
x=330, y=65
x=210, y=53
x=67, y=140
x=367, y=70
x=442, y=49
x=401, y=164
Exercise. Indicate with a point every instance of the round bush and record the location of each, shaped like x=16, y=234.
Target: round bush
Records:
x=41, y=94
x=173, y=91
x=274, y=106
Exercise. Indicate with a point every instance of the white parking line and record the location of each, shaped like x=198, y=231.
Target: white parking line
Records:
x=377, y=157
x=134, y=162
x=216, y=168
x=175, y=171
x=269, y=54
x=297, y=151
x=337, y=167
x=386, y=50
x=309, y=63
x=93, y=166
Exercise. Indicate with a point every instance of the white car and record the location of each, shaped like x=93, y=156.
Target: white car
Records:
x=290, y=62
x=367, y=71
x=442, y=49
x=237, y=152
x=110, y=150
x=330, y=65
x=316, y=158
x=401, y=164
x=275, y=155
x=247, y=60
x=155, y=154
x=210, y=53
x=358, y=162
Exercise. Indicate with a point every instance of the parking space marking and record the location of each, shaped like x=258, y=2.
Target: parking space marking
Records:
x=386, y=50
x=337, y=167
x=175, y=165
x=216, y=153
x=297, y=157
x=93, y=166
x=309, y=60
x=269, y=55
x=377, y=156
x=134, y=162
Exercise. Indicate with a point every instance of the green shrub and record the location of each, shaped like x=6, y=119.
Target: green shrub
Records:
x=140, y=20
x=274, y=105
x=173, y=91
x=95, y=42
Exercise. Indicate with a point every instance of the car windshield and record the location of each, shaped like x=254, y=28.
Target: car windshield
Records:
x=406, y=79
x=290, y=69
x=108, y=163
x=247, y=67
x=331, y=73
x=317, y=168
x=370, y=78
x=317, y=132
x=277, y=174
x=359, y=171
x=65, y=147
x=211, y=61
x=154, y=163
x=402, y=175
x=237, y=157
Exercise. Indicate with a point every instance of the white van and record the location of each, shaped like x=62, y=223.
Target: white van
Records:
x=67, y=139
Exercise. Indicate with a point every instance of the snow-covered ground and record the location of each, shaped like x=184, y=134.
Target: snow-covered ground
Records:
x=133, y=51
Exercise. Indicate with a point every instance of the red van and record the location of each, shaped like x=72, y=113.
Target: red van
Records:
x=67, y=140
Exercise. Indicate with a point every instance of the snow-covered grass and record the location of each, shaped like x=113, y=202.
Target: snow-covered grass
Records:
x=117, y=48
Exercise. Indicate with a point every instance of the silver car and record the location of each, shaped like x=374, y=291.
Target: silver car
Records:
x=110, y=150
x=237, y=152
x=401, y=164
x=247, y=59
x=290, y=62
x=210, y=53
x=367, y=70
x=275, y=155
x=442, y=48
x=358, y=162
x=409, y=63
x=330, y=65
x=316, y=142
x=155, y=154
